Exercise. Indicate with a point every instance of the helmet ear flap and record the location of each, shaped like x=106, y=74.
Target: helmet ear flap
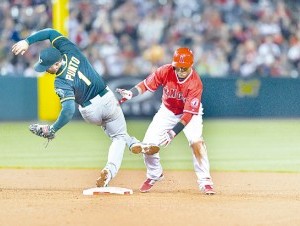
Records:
x=183, y=57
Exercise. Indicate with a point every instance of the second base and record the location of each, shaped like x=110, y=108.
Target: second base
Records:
x=107, y=190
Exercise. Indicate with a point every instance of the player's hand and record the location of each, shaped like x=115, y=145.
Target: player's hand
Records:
x=126, y=95
x=167, y=138
x=20, y=47
x=45, y=131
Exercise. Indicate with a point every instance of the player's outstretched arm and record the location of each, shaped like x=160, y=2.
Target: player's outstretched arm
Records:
x=22, y=46
x=127, y=94
x=66, y=114
x=133, y=92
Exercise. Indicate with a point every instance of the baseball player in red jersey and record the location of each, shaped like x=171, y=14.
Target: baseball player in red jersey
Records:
x=181, y=110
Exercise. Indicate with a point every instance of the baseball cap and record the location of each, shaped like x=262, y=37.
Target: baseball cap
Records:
x=47, y=58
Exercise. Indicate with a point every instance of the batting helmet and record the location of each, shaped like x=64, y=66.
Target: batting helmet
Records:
x=183, y=57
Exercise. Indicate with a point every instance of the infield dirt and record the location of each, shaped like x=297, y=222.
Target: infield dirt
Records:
x=54, y=197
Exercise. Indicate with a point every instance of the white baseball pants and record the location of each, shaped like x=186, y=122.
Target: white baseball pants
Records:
x=165, y=120
x=106, y=112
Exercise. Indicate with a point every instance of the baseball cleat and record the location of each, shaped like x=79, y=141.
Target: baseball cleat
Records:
x=208, y=189
x=104, y=179
x=136, y=148
x=148, y=184
x=148, y=149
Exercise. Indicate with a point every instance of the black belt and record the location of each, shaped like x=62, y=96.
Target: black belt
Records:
x=101, y=94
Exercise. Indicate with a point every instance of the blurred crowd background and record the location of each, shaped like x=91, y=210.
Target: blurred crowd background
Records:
x=241, y=38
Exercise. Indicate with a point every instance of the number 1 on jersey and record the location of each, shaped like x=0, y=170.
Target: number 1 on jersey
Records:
x=84, y=78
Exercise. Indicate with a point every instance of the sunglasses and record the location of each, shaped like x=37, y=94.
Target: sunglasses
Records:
x=181, y=69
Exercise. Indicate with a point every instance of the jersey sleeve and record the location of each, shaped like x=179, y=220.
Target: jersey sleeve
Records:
x=193, y=101
x=63, y=44
x=64, y=91
x=44, y=34
x=154, y=80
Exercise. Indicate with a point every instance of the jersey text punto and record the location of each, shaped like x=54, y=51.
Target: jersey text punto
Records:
x=72, y=68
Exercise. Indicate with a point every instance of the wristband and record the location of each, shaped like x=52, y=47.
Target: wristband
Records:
x=135, y=91
x=178, y=127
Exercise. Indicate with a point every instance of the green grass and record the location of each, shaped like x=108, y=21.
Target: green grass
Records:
x=233, y=145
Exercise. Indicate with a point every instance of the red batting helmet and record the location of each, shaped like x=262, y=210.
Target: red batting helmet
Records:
x=183, y=57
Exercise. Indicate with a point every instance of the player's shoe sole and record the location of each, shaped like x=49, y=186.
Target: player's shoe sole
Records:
x=138, y=148
x=103, y=180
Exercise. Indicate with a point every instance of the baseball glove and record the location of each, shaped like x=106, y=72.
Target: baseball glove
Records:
x=44, y=131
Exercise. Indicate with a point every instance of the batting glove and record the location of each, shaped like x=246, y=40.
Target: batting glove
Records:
x=167, y=138
x=126, y=94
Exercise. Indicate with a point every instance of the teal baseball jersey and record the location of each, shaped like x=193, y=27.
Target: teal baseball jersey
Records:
x=76, y=79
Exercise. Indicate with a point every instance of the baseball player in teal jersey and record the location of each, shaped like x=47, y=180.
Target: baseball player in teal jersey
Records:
x=77, y=81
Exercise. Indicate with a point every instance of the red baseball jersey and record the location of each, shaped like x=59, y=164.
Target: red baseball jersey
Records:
x=178, y=96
